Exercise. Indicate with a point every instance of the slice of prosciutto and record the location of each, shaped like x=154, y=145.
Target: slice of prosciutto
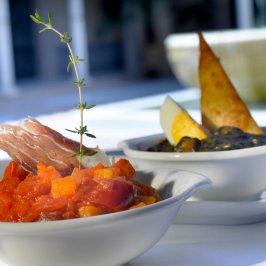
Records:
x=31, y=143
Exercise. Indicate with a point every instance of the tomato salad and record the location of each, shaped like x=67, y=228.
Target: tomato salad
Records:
x=47, y=195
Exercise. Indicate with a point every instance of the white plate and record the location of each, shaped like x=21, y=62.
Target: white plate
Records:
x=222, y=212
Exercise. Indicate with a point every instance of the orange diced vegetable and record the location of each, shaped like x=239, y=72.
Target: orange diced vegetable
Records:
x=108, y=173
x=63, y=187
x=47, y=171
x=148, y=199
x=82, y=175
x=138, y=205
x=89, y=210
x=126, y=168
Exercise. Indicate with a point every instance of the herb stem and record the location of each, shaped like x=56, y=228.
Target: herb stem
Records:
x=76, y=70
x=74, y=59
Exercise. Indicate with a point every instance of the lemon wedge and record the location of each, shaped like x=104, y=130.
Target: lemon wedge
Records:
x=177, y=123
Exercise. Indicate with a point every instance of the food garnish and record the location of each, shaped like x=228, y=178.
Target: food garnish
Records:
x=48, y=196
x=52, y=177
x=79, y=82
x=220, y=103
x=225, y=117
x=177, y=123
x=31, y=142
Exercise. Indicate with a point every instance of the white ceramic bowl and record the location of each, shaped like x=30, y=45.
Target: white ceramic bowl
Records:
x=111, y=239
x=241, y=52
x=235, y=175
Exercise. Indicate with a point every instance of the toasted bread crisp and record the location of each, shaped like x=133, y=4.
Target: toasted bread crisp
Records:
x=220, y=103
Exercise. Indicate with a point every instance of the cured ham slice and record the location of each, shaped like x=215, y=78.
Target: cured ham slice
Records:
x=31, y=143
x=113, y=194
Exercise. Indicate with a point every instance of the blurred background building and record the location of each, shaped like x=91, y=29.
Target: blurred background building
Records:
x=119, y=37
x=122, y=40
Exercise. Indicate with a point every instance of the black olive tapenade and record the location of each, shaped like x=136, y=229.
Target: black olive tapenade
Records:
x=224, y=139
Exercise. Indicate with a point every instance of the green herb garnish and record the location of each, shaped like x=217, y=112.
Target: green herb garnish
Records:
x=79, y=82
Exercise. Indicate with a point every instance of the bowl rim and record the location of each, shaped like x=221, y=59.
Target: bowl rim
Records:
x=215, y=38
x=22, y=228
x=129, y=148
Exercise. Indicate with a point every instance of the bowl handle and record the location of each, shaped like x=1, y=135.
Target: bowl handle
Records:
x=183, y=183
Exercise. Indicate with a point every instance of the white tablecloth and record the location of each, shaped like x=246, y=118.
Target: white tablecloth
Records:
x=202, y=245
x=112, y=123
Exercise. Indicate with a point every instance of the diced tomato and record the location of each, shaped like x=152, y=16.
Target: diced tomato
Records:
x=83, y=193
x=10, y=170
x=31, y=216
x=47, y=195
x=9, y=184
x=143, y=190
x=126, y=169
x=10, y=216
x=14, y=169
x=51, y=216
x=112, y=194
x=5, y=202
x=45, y=206
x=40, y=184
x=81, y=176
x=20, y=207
x=69, y=215
x=34, y=186
x=47, y=203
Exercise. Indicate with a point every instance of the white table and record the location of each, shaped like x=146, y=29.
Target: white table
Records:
x=202, y=245
x=183, y=244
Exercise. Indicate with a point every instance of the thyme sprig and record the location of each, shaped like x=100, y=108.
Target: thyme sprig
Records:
x=79, y=82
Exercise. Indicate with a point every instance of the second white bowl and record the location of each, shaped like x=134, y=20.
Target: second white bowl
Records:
x=236, y=175
x=241, y=52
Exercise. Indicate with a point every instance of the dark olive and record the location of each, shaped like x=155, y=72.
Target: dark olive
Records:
x=222, y=131
x=161, y=146
x=187, y=144
x=226, y=130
